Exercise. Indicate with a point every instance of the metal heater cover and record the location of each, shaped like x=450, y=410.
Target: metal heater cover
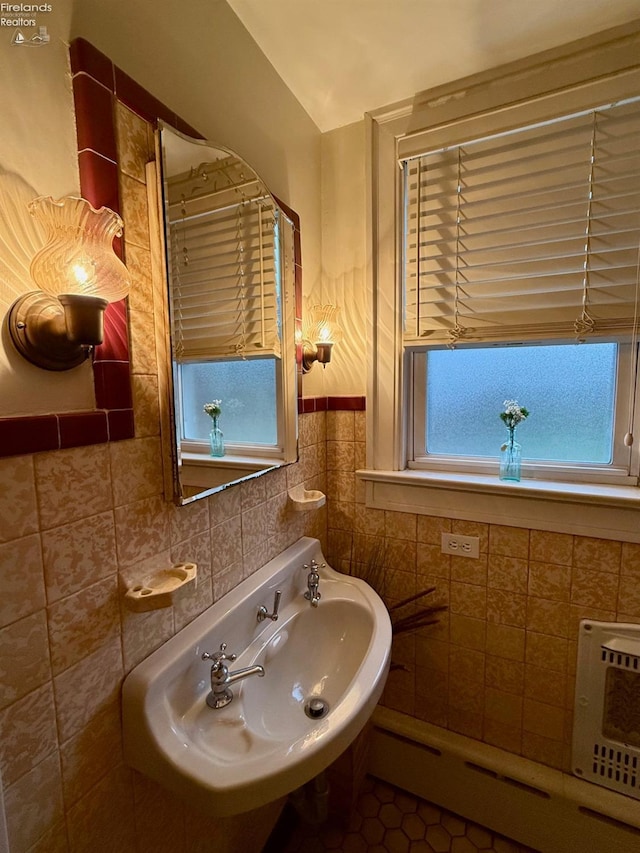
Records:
x=606, y=724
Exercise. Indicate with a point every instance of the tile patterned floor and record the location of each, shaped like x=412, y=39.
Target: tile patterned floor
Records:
x=388, y=820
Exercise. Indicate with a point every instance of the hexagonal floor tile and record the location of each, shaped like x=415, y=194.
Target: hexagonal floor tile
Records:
x=439, y=838
x=413, y=826
x=395, y=841
x=388, y=820
x=391, y=816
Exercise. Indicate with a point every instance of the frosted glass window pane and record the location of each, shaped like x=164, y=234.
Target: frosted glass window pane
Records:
x=569, y=391
x=248, y=393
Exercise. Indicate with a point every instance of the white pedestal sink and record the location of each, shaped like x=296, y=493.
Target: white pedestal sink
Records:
x=264, y=743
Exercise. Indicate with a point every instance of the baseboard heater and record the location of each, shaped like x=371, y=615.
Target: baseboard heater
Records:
x=545, y=809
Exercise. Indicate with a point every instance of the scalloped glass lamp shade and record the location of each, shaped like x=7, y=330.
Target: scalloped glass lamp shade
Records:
x=324, y=326
x=322, y=332
x=78, y=273
x=78, y=256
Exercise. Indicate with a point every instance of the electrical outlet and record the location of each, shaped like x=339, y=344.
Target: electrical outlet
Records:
x=460, y=546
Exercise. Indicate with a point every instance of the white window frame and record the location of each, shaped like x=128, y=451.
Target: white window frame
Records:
x=600, y=69
x=248, y=450
x=622, y=470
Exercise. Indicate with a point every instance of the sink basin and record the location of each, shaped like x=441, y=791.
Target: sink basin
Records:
x=324, y=671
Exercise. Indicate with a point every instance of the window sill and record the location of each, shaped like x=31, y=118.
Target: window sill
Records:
x=608, y=512
x=208, y=472
x=230, y=460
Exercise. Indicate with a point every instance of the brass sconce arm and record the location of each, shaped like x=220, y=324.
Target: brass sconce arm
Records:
x=315, y=352
x=56, y=333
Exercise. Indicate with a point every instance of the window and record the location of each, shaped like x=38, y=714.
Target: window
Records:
x=526, y=236
x=570, y=389
x=577, y=394
x=475, y=311
x=249, y=390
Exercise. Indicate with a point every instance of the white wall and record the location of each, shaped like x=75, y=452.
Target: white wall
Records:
x=344, y=260
x=38, y=129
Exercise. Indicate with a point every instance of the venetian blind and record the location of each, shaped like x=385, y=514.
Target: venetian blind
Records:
x=528, y=235
x=225, y=281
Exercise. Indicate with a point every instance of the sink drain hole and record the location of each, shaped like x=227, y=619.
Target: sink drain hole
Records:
x=315, y=708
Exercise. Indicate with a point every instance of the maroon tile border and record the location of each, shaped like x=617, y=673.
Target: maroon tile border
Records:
x=81, y=428
x=306, y=405
x=99, y=180
x=346, y=404
x=115, y=346
x=121, y=424
x=113, y=389
x=28, y=435
x=142, y=102
x=94, y=110
x=85, y=58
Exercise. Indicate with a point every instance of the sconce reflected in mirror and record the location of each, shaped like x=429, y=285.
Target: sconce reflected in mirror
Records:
x=78, y=273
x=322, y=331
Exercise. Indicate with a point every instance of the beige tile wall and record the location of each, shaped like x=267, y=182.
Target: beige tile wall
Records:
x=500, y=665
x=77, y=527
x=75, y=531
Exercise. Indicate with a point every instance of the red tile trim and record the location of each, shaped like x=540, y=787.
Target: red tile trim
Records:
x=121, y=424
x=331, y=404
x=81, y=428
x=88, y=59
x=346, y=404
x=99, y=180
x=94, y=117
x=28, y=435
x=115, y=346
x=185, y=128
x=113, y=389
x=142, y=102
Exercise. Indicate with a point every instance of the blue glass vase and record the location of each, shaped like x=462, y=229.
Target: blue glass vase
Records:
x=216, y=439
x=511, y=458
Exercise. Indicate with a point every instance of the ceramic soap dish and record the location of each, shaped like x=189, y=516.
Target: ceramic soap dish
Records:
x=157, y=590
x=303, y=500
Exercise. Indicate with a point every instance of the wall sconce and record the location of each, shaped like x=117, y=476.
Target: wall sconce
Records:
x=78, y=274
x=322, y=332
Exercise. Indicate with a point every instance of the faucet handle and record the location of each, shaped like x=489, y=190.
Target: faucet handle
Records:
x=218, y=657
x=264, y=614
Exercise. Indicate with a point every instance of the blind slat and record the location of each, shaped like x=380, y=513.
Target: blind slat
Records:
x=225, y=285
x=507, y=238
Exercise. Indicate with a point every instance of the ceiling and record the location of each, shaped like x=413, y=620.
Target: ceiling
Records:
x=342, y=58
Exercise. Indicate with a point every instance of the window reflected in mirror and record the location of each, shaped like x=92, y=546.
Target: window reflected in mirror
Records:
x=230, y=253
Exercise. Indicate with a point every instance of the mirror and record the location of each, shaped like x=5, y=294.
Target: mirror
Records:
x=231, y=278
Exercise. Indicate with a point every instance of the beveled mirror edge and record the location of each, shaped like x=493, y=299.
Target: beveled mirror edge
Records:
x=161, y=325
x=291, y=305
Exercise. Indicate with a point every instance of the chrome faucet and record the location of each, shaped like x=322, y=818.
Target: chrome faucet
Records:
x=313, y=580
x=221, y=678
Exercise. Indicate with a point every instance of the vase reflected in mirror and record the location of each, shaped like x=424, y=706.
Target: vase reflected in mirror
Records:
x=216, y=439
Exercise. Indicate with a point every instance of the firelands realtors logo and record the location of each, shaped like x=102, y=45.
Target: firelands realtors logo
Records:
x=22, y=18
